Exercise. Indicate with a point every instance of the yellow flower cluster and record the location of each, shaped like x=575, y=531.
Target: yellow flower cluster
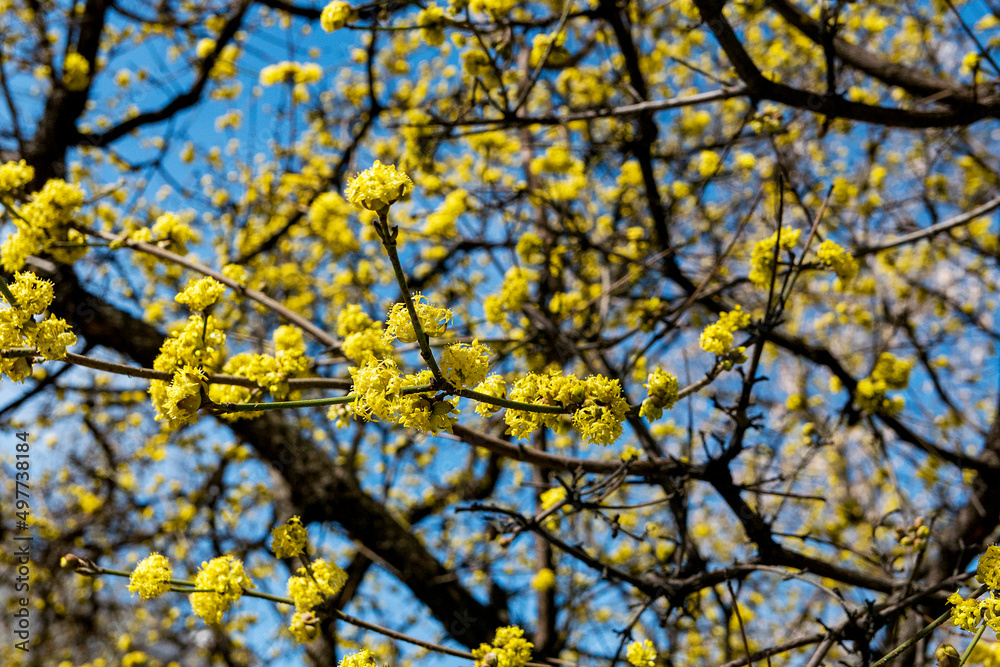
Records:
x=289, y=539
x=76, y=72
x=498, y=9
x=835, y=257
x=599, y=419
x=18, y=327
x=554, y=45
x=894, y=372
x=183, y=396
x=988, y=569
x=43, y=221
x=464, y=364
x=509, y=649
x=762, y=260
x=641, y=654
x=363, y=337
x=552, y=497
x=871, y=393
x=175, y=229
x=362, y=658
x=494, y=386
x=310, y=588
x=329, y=219
x=441, y=222
x=717, y=338
x=378, y=387
x=597, y=405
x=335, y=15
x=966, y=614
x=544, y=580
x=223, y=580
x=198, y=345
x=269, y=372
x=434, y=320
x=663, y=388
x=514, y=294
x=200, y=294
x=378, y=188
x=558, y=160
x=432, y=21
x=14, y=176
x=290, y=72
x=151, y=576
x=423, y=412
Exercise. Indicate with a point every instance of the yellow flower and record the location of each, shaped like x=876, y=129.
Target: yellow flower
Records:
x=835, y=257
x=431, y=22
x=176, y=230
x=378, y=188
x=966, y=614
x=494, y=386
x=376, y=389
x=599, y=419
x=362, y=658
x=51, y=337
x=309, y=588
x=422, y=412
x=988, y=570
x=663, y=389
x=76, y=72
x=509, y=647
x=762, y=260
x=223, y=580
x=717, y=338
x=151, y=577
x=33, y=294
x=544, y=580
x=641, y=654
x=183, y=396
x=552, y=497
x=335, y=15
x=464, y=365
x=289, y=539
x=200, y=294
x=290, y=72
x=894, y=372
x=14, y=176
x=434, y=320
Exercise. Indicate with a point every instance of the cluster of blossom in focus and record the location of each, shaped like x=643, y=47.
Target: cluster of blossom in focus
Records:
x=718, y=339
x=595, y=406
x=969, y=613
x=641, y=654
x=42, y=221
x=218, y=584
x=509, y=649
x=663, y=389
x=19, y=329
x=199, y=347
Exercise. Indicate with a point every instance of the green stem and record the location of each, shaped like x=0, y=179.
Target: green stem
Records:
x=515, y=405
x=221, y=408
x=972, y=644
x=388, y=236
